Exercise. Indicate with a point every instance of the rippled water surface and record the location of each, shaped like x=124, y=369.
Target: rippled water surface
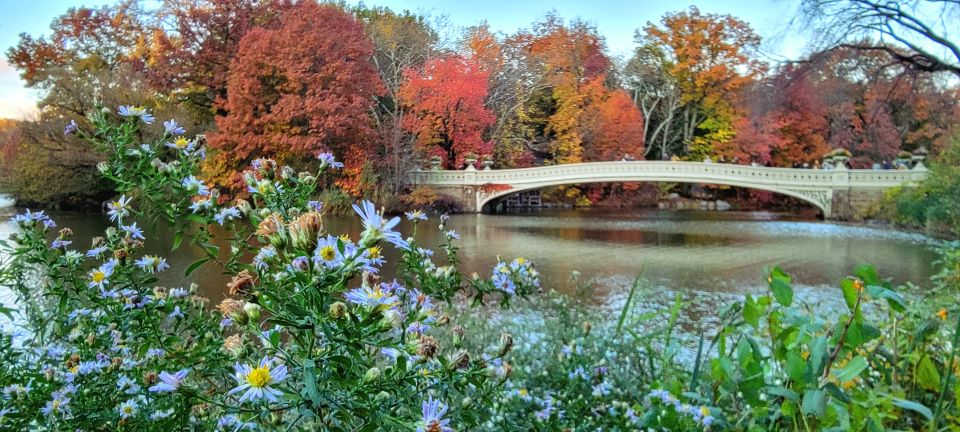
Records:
x=697, y=251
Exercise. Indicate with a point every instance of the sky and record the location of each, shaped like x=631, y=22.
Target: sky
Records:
x=616, y=20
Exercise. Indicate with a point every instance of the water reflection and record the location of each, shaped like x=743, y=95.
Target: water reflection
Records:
x=708, y=251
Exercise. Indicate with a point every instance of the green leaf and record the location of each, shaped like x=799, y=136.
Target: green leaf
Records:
x=818, y=353
x=782, y=291
x=752, y=312
x=850, y=293
x=796, y=366
x=927, y=375
x=310, y=381
x=893, y=298
x=814, y=402
x=177, y=239
x=852, y=369
x=195, y=265
x=784, y=393
x=914, y=406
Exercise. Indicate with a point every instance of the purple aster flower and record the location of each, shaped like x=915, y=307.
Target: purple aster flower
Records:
x=170, y=127
x=433, y=413
x=169, y=382
x=60, y=244
x=133, y=230
x=70, y=128
x=226, y=214
x=327, y=159
x=315, y=205
x=377, y=228
x=136, y=111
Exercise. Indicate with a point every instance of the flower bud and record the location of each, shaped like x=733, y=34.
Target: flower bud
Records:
x=103, y=167
x=427, y=347
x=372, y=375
x=337, y=310
x=244, y=206
x=460, y=360
x=304, y=230
x=252, y=310
x=506, y=344
x=457, y=332
x=240, y=284
x=382, y=397
x=587, y=327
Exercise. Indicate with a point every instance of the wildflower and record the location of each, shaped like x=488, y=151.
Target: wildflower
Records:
x=179, y=292
x=942, y=313
x=315, y=205
x=119, y=209
x=31, y=217
x=155, y=353
x=299, y=264
x=193, y=184
x=170, y=127
x=128, y=409
x=226, y=214
x=60, y=404
x=373, y=298
x=133, y=231
x=60, y=244
x=169, y=382
x=258, y=381
x=265, y=254
x=327, y=252
x=136, y=111
x=451, y=234
x=433, y=421
x=127, y=385
x=70, y=128
x=96, y=252
x=100, y=276
x=327, y=159
x=501, y=279
x=376, y=228
x=176, y=313
x=416, y=215
x=152, y=264
x=183, y=145
x=200, y=203
x=159, y=415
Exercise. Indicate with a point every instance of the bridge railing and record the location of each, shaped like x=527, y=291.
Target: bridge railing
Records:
x=668, y=170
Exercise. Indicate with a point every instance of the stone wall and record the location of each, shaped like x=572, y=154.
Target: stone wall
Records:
x=854, y=204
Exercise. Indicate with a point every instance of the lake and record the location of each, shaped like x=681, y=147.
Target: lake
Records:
x=676, y=250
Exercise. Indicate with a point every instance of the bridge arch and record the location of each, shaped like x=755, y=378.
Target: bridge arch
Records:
x=821, y=199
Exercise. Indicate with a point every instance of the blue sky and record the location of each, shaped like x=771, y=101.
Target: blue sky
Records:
x=615, y=19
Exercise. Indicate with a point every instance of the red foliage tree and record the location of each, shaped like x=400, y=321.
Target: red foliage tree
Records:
x=446, y=105
x=193, y=59
x=614, y=126
x=293, y=91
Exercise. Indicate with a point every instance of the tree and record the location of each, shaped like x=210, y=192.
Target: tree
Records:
x=919, y=30
x=613, y=127
x=447, y=113
x=401, y=41
x=191, y=60
x=709, y=58
x=301, y=88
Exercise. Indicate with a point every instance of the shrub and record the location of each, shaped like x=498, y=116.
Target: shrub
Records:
x=310, y=337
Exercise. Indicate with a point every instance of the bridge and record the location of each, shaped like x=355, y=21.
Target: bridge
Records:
x=839, y=193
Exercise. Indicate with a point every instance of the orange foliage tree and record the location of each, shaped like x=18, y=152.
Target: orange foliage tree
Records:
x=301, y=88
x=445, y=101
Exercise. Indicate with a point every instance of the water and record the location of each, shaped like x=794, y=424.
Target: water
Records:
x=714, y=252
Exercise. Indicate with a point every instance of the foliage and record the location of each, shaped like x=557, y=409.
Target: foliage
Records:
x=933, y=204
x=445, y=101
x=312, y=95
x=316, y=340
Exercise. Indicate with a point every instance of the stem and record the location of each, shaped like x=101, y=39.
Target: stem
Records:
x=948, y=376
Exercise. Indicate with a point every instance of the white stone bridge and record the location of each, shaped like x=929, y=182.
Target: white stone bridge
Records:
x=839, y=193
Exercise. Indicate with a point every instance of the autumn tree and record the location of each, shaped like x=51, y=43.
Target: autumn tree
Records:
x=705, y=59
x=298, y=89
x=447, y=113
x=190, y=59
x=613, y=125
x=401, y=41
